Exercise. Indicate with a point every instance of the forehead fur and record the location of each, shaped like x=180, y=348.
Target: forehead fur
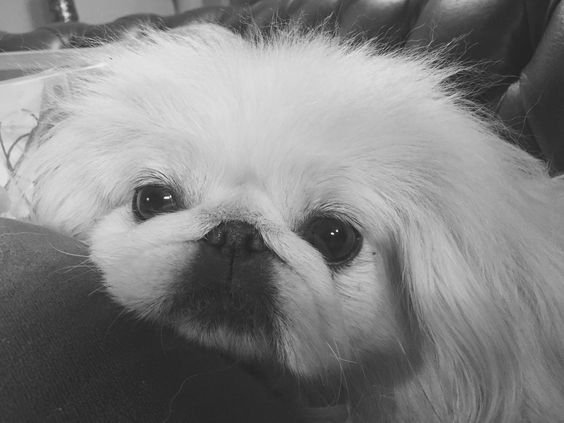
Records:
x=212, y=88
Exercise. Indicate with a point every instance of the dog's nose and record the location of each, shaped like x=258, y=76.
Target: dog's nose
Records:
x=234, y=237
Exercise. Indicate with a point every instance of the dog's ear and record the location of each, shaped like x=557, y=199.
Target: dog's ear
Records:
x=59, y=88
x=37, y=96
x=45, y=179
x=486, y=301
x=55, y=89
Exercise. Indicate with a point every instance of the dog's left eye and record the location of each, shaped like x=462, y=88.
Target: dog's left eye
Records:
x=338, y=241
x=151, y=200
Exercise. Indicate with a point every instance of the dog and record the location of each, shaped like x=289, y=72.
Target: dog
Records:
x=340, y=211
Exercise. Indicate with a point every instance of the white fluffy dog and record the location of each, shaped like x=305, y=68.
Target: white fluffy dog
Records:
x=299, y=200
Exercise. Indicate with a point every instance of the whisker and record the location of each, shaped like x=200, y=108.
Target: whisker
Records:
x=7, y=234
x=343, y=382
x=417, y=380
x=68, y=253
x=188, y=379
x=84, y=264
x=97, y=290
x=121, y=314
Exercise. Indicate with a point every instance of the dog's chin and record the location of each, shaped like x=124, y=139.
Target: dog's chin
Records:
x=228, y=302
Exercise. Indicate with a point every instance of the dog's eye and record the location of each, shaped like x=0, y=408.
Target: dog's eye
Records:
x=151, y=200
x=338, y=241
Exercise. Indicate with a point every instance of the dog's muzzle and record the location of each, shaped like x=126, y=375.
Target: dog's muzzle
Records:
x=228, y=282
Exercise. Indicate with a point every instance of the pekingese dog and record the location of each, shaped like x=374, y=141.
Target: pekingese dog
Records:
x=300, y=200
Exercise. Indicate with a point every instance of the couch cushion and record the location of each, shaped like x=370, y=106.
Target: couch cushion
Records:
x=70, y=354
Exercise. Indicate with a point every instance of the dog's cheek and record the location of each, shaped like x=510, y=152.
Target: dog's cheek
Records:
x=364, y=315
x=370, y=308
x=305, y=323
x=140, y=278
x=137, y=271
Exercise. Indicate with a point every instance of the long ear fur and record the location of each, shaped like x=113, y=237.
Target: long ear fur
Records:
x=485, y=281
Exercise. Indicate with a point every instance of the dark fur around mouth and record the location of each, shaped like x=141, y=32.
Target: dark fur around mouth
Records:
x=235, y=292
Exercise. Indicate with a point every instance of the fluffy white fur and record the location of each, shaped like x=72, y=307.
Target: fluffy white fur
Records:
x=460, y=280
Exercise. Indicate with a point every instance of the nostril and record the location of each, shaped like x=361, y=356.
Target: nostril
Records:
x=216, y=236
x=256, y=243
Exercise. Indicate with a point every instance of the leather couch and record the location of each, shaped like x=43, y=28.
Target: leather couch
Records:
x=69, y=354
x=517, y=44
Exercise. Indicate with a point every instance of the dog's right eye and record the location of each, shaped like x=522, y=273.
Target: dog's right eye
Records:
x=151, y=200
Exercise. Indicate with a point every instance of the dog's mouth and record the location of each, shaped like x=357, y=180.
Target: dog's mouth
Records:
x=228, y=289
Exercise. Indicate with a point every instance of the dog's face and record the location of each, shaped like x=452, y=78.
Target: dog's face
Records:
x=289, y=201
x=265, y=251
x=244, y=210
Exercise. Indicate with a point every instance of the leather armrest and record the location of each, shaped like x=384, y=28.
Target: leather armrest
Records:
x=518, y=44
x=69, y=353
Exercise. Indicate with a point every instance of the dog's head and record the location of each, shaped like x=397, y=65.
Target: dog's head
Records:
x=295, y=199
